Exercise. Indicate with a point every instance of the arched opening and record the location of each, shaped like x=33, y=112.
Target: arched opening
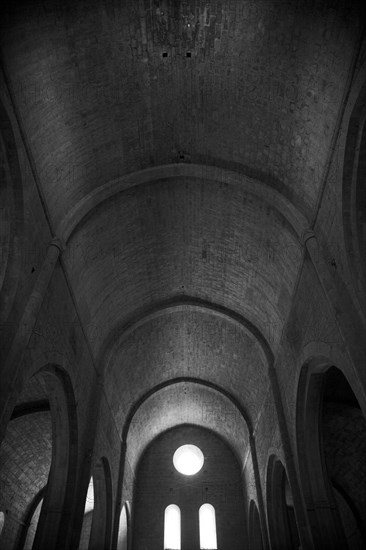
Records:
x=123, y=542
x=54, y=518
x=25, y=462
x=331, y=448
x=255, y=532
x=101, y=513
x=281, y=516
x=172, y=527
x=207, y=523
x=37, y=462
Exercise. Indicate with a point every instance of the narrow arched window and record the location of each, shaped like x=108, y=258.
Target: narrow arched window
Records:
x=123, y=534
x=207, y=520
x=88, y=517
x=172, y=527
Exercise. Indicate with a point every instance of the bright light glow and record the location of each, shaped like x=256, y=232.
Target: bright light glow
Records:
x=172, y=527
x=208, y=539
x=188, y=459
x=89, y=503
x=122, y=531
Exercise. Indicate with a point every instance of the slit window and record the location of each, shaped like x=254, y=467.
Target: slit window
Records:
x=172, y=538
x=2, y=521
x=207, y=522
x=89, y=502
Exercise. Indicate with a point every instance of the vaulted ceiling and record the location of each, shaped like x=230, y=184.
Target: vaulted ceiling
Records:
x=180, y=149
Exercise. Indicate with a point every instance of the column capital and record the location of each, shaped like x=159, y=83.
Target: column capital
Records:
x=306, y=235
x=58, y=243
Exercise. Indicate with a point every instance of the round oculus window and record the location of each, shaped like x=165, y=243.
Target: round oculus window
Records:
x=188, y=460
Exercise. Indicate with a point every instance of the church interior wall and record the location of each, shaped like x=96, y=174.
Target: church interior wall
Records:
x=62, y=391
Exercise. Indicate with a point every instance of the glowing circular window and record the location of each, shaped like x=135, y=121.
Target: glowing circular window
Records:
x=188, y=460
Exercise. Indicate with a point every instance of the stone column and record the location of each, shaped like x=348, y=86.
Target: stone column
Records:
x=262, y=513
x=350, y=325
x=300, y=513
x=11, y=367
x=86, y=464
x=119, y=495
